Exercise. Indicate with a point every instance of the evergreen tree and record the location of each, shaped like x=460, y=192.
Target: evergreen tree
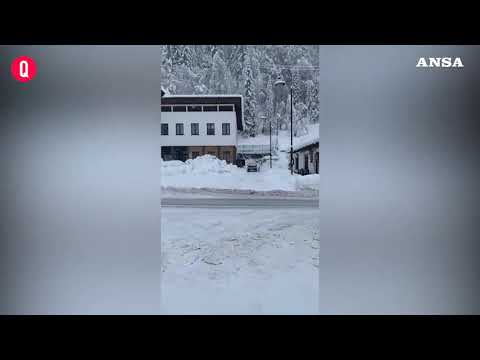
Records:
x=187, y=57
x=269, y=103
x=249, y=101
x=248, y=70
x=176, y=54
x=218, y=82
x=300, y=119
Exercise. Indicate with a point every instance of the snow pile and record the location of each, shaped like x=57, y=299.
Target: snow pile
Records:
x=202, y=165
x=173, y=167
x=207, y=164
x=308, y=182
x=208, y=172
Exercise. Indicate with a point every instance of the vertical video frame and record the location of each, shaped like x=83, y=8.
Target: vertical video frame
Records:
x=240, y=179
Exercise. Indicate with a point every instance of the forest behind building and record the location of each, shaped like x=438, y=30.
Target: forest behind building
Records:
x=251, y=71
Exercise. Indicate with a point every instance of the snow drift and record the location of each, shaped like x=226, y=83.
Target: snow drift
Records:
x=207, y=171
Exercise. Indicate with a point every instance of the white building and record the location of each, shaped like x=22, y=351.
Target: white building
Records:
x=195, y=125
x=306, y=156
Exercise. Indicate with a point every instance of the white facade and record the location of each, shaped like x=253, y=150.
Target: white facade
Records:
x=201, y=118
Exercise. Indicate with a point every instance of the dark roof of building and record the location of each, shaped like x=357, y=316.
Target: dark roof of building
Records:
x=235, y=100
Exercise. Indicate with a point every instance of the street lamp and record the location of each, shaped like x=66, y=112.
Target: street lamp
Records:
x=281, y=82
x=270, y=121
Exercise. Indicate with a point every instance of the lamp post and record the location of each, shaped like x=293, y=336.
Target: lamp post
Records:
x=281, y=82
x=270, y=143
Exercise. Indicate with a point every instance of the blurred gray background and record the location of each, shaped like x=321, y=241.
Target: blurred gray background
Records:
x=80, y=185
x=399, y=175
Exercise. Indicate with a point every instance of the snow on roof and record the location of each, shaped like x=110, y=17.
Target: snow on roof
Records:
x=312, y=137
x=306, y=143
x=257, y=140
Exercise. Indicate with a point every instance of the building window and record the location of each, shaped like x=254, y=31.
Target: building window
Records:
x=194, y=108
x=210, y=108
x=210, y=129
x=179, y=129
x=195, y=154
x=179, y=109
x=166, y=108
x=226, y=156
x=164, y=129
x=195, y=129
x=225, y=108
x=225, y=129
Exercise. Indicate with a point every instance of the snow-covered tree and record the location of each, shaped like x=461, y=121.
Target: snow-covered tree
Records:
x=249, y=112
x=300, y=119
x=269, y=114
x=220, y=81
x=223, y=69
x=187, y=57
x=312, y=101
x=177, y=54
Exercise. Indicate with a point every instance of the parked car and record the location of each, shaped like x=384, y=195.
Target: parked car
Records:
x=252, y=165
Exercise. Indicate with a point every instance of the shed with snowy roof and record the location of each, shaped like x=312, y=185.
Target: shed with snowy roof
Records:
x=306, y=155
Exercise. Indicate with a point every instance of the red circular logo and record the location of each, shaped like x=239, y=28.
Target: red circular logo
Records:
x=23, y=69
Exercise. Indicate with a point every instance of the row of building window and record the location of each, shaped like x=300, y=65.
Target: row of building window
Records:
x=195, y=129
x=198, y=108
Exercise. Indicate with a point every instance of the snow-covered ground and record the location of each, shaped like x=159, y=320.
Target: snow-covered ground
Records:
x=240, y=261
x=208, y=172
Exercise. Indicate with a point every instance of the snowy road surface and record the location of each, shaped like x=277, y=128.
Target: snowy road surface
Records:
x=240, y=260
x=239, y=203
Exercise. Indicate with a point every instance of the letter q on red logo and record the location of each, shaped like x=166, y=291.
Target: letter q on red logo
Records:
x=24, y=69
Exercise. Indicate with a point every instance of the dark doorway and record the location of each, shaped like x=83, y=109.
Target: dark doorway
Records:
x=180, y=153
x=166, y=153
x=316, y=162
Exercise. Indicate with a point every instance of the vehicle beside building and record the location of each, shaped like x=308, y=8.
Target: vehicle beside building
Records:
x=252, y=165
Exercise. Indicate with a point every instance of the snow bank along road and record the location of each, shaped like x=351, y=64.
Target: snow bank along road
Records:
x=208, y=172
x=239, y=203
